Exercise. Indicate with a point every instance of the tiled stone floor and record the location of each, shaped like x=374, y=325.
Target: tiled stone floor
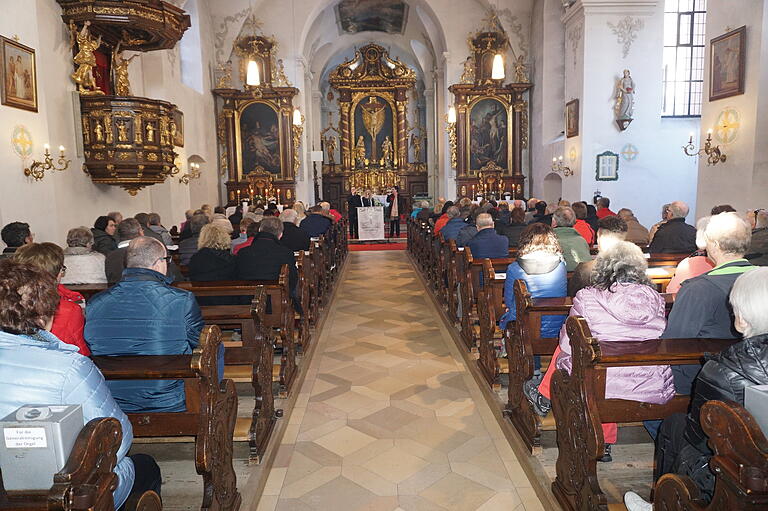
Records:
x=388, y=417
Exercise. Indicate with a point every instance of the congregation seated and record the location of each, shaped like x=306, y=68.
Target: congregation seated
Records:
x=116, y=217
x=103, y=231
x=530, y=209
x=301, y=211
x=316, y=224
x=503, y=213
x=264, y=258
x=237, y=216
x=68, y=321
x=453, y=224
x=636, y=233
x=540, y=265
x=115, y=263
x=243, y=234
x=681, y=445
x=573, y=245
x=611, y=229
x=184, y=229
x=541, y=215
x=329, y=211
x=701, y=307
x=486, y=243
x=620, y=305
x=603, y=207
x=15, y=235
x=655, y=227
x=581, y=225
x=440, y=217
x=143, y=219
x=144, y=315
x=35, y=367
x=83, y=264
x=294, y=237
x=213, y=261
x=469, y=229
x=251, y=230
x=758, y=249
x=696, y=263
x=674, y=236
x=188, y=246
x=155, y=225
x=420, y=206
x=514, y=228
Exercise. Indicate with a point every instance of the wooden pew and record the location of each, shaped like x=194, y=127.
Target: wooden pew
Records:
x=301, y=321
x=209, y=418
x=490, y=307
x=740, y=464
x=87, y=480
x=579, y=404
x=280, y=319
x=250, y=360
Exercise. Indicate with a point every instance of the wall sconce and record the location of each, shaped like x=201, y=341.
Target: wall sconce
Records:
x=297, y=129
x=38, y=168
x=558, y=165
x=194, y=173
x=450, y=128
x=497, y=71
x=714, y=154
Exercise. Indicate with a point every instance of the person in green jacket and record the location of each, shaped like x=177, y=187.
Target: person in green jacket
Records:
x=575, y=248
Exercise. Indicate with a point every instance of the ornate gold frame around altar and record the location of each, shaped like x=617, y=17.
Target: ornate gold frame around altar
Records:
x=275, y=93
x=371, y=72
x=478, y=85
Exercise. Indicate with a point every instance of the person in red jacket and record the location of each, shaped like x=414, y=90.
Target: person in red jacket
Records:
x=581, y=225
x=68, y=322
x=603, y=209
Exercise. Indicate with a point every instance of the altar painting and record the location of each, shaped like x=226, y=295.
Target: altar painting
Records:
x=372, y=15
x=488, y=140
x=373, y=122
x=260, y=139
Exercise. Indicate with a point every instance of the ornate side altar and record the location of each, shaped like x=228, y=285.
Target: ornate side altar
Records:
x=257, y=134
x=373, y=129
x=491, y=127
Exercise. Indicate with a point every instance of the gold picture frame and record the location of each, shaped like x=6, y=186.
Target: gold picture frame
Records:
x=572, y=118
x=508, y=131
x=727, y=54
x=18, y=72
x=241, y=109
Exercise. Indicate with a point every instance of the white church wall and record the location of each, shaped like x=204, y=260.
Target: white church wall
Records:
x=659, y=172
x=67, y=199
x=742, y=180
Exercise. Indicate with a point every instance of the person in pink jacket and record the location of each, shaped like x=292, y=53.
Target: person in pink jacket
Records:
x=620, y=305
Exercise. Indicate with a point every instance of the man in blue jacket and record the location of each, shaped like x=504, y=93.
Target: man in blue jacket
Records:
x=487, y=243
x=143, y=315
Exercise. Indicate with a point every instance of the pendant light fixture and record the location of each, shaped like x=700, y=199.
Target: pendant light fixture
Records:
x=497, y=72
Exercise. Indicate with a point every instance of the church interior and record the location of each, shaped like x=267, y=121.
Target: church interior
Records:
x=384, y=255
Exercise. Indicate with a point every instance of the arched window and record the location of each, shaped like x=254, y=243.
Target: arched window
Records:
x=684, y=42
x=191, y=53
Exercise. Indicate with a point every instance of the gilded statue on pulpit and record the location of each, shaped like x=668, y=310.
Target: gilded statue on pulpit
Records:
x=85, y=58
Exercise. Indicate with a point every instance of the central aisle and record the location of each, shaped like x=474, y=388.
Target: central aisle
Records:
x=388, y=417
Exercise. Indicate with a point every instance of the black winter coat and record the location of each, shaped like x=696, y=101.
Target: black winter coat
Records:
x=264, y=258
x=103, y=242
x=674, y=237
x=210, y=264
x=295, y=237
x=724, y=377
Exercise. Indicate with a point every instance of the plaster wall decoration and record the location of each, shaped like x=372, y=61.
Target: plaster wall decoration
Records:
x=220, y=35
x=626, y=32
x=573, y=155
x=629, y=152
x=574, y=38
x=22, y=142
x=515, y=28
x=727, y=127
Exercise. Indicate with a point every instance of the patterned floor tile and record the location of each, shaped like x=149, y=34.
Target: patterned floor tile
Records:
x=387, y=420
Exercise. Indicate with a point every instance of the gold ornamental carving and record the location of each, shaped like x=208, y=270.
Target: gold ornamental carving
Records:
x=84, y=59
x=120, y=70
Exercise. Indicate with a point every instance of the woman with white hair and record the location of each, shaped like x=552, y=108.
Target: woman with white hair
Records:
x=620, y=305
x=681, y=446
x=84, y=266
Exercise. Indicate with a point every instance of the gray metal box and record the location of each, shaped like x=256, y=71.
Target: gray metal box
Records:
x=756, y=403
x=36, y=442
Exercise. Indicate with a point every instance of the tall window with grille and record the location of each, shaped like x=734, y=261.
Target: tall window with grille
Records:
x=684, y=44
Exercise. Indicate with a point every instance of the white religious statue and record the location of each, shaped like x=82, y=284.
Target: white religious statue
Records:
x=625, y=97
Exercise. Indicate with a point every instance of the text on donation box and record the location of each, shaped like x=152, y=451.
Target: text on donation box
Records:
x=370, y=223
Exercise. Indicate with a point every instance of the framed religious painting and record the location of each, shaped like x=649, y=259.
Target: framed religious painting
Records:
x=488, y=135
x=607, y=167
x=19, y=77
x=259, y=139
x=572, y=118
x=726, y=64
